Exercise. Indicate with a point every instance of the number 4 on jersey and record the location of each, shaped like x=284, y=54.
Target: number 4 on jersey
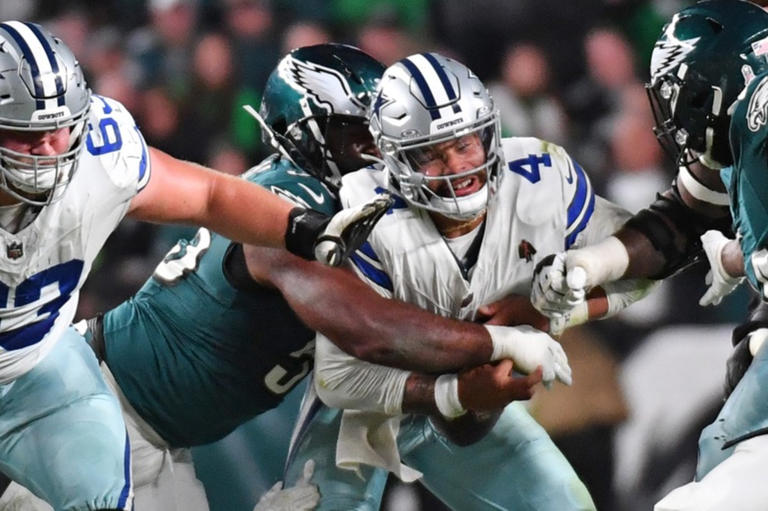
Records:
x=529, y=167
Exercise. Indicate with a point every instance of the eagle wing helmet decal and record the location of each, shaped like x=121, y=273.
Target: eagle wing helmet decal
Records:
x=324, y=85
x=670, y=51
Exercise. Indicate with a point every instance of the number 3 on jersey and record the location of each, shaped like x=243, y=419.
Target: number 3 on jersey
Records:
x=183, y=258
x=529, y=167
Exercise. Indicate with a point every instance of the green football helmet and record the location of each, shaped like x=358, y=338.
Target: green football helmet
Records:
x=703, y=59
x=315, y=107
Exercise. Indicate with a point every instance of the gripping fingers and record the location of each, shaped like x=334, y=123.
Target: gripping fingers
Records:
x=550, y=294
x=560, y=364
x=307, y=472
x=548, y=374
x=577, y=278
x=348, y=229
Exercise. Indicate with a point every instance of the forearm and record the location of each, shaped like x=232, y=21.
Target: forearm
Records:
x=229, y=205
x=342, y=381
x=463, y=430
x=244, y=211
x=665, y=237
x=732, y=259
x=419, y=396
x=366, y=325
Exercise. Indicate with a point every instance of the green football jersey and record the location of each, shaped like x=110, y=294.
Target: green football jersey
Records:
x=747, y=178
x=194, y=355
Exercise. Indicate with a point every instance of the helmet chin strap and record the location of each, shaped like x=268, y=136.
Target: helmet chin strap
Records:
x=467, y=208
x=706, y=158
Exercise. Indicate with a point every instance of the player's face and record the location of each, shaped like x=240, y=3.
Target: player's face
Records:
x=349, y=141
x=45, y=143
x=455, y=156
x=32, y=159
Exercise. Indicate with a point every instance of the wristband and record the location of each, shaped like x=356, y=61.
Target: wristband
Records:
x=304, y=227
x=576, y=316
x=500, y=348
x=604, y=262
x=447, y=396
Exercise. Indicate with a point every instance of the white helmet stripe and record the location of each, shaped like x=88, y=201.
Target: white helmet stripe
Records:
x=434, y=82
x=40, y=57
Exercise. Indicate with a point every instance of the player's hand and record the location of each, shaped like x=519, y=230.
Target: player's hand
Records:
x=493, y=386
x=303, y=496
x=556, y=290
x=759, y=262
x=720, y=283
x=313, y=235
x=511, y=310
x=530, y=349
x=348, y=229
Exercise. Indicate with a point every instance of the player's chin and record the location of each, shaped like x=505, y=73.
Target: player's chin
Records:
x=468, y=429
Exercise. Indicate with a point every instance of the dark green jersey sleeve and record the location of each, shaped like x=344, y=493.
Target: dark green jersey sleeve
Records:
x=282, y=178
x=747, y=180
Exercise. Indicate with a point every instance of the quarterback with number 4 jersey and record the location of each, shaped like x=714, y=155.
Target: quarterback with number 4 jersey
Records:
x=473, y=217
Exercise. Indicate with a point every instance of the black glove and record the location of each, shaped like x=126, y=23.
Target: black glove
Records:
x=330, y=240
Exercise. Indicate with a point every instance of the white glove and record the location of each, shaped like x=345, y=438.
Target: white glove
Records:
x=348, y=229
x=720, y=283
x=757, y=339
x=555, y=293
x=303, y=496
x=530, y=348
x=759, y=262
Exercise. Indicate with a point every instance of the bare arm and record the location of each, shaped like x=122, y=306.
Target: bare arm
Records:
x=485, y=388
x=364, y=324
x=183, y=192
x=483, y=391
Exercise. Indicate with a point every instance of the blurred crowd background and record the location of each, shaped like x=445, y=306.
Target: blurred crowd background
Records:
x=569, y=72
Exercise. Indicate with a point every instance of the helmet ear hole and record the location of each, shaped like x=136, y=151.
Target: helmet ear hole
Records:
x=716, y=26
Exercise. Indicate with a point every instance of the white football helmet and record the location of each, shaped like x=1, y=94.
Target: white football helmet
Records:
x=42, y=88
x=429, y=99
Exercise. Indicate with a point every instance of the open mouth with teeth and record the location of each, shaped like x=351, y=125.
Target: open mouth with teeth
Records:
x=462, y=186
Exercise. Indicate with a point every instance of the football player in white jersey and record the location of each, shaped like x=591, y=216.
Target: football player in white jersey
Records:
x=473, y=216
x=72, y=164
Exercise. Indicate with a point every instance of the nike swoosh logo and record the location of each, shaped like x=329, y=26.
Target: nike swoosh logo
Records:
x=569, y=178
x=319, y=197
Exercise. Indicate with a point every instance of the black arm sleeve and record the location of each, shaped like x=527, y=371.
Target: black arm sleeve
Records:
x=674, y=230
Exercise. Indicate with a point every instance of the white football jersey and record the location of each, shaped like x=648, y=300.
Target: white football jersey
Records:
x=544, y=205
x=43, y=266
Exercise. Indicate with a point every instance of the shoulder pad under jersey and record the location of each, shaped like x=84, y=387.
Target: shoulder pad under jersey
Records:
x=281, y=177
x=546, y=174
x=115, y=142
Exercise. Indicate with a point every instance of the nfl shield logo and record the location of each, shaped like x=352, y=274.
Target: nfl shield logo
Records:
x=14, y=250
